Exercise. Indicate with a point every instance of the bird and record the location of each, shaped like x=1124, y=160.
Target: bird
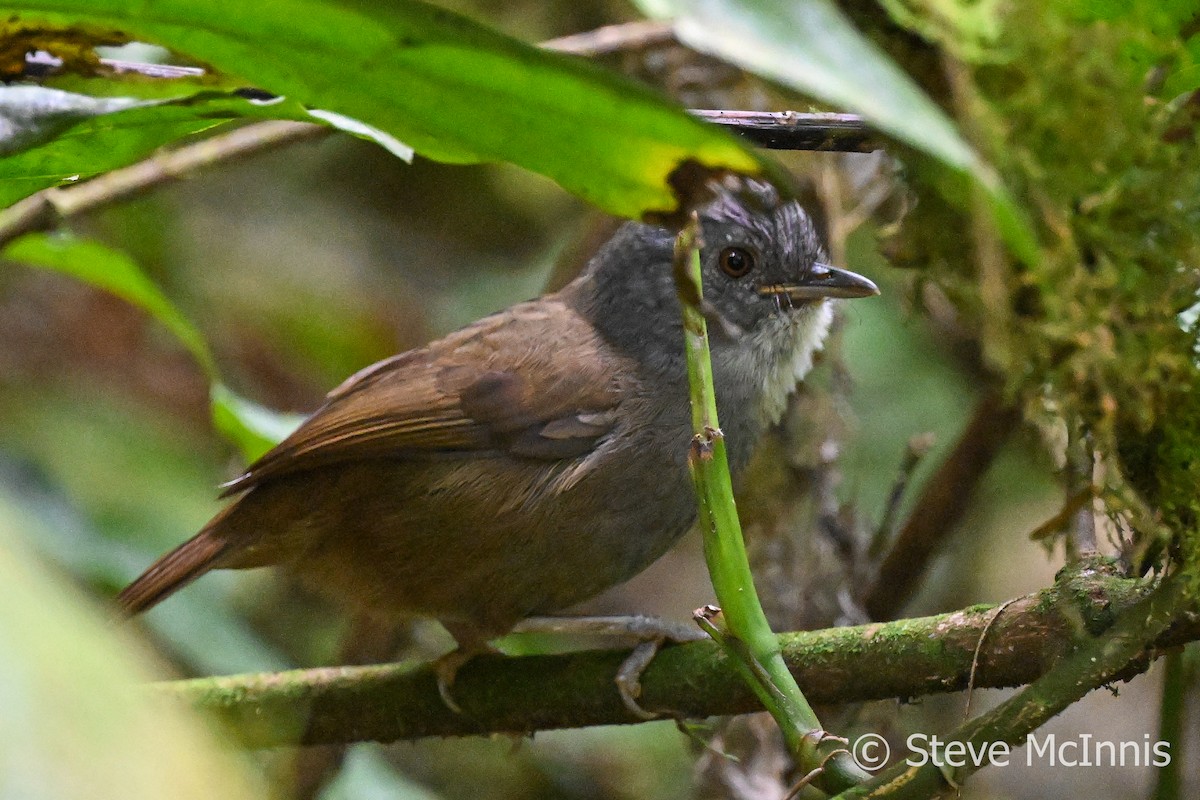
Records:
x=538, y=456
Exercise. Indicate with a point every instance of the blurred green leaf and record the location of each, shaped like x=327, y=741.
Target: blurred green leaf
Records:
x=448, y=86
x=76, y=722
x=30, y=115
x=52, y=137
x=253, y=428
x=100, y=490
x=968, y=31
x=113, y=271
x=1163, y=17
x=1186, y=75
x=91, y=143
x=811, y=47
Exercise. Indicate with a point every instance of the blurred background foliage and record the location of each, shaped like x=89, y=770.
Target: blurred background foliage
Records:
x=303, y=265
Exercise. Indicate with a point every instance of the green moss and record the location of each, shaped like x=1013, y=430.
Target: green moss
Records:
x=1091, y=334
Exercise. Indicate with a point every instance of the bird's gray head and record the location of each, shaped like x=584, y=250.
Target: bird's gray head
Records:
x=763, y=269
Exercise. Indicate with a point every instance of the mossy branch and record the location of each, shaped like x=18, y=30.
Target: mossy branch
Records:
x=904, y=659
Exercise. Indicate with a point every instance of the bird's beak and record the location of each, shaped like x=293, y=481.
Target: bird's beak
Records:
x=824, y=281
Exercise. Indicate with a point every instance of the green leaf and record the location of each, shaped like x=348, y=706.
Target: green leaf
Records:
x=445, y=85
x=30, y=115
x=366, y=774
x=811, y=47
x=1186, y=74
x=94, y=146
x=253, y=428
x=115, y=272
x=88, y=145
x=363, y=131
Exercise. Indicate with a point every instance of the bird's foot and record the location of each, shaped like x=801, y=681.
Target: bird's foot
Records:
x=629, y=678
x=650, y=633
x=446, y=670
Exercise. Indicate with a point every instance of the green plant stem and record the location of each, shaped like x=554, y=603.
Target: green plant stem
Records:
x=1177, y=684
x=748, y=636
x=1168, y=781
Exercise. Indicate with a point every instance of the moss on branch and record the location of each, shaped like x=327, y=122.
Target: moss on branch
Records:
x=903, y=659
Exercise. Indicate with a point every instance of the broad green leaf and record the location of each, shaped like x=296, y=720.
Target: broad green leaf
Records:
x=441, y=83
x=51, y=136
x=1186, y=75
x=249, y=426
x=811, y=47
x=96, y=145
x=352, y=126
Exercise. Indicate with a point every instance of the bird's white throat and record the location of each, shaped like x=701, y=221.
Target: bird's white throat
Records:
x=777, y=356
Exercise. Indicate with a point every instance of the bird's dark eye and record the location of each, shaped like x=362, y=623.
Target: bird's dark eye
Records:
x=736, y=261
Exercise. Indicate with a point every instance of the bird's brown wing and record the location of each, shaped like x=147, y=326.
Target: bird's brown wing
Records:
x=505, y=384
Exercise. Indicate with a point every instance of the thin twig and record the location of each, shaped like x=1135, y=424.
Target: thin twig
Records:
x=970, y=692
x=48, y=208
x=636, y=35
x=939, y=508
x=918, y=447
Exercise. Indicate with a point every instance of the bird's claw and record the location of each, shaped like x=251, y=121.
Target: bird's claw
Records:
x=629, y=678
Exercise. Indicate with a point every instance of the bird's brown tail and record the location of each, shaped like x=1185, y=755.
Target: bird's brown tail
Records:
x=173, y=571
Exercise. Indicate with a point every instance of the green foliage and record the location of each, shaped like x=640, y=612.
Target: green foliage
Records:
x=969, y=29
x=1178, y=473
x=1075, y=104
x=454, y=90
x=252, y=428
x=95, y=145
x=81, y=143
x=112, y=271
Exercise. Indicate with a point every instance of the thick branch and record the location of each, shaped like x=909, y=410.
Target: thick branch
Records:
x=903, y=659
